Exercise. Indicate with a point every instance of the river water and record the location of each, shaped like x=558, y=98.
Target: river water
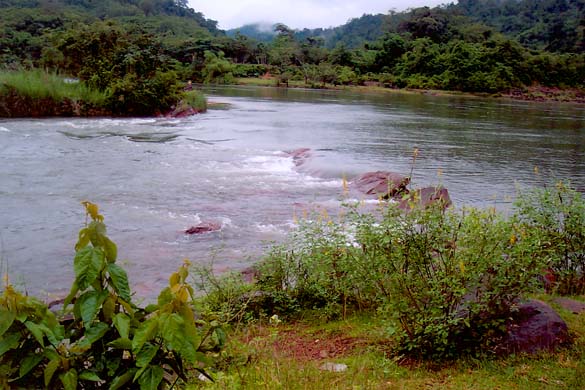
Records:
x=154, y=178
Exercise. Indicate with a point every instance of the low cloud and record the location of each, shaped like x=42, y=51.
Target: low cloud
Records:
x=298, y=13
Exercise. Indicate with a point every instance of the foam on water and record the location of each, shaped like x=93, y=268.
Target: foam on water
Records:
x=4, y=129
x=270, y=164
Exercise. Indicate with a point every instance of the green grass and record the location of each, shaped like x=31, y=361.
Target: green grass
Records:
x=196, y=100
x=38, y=84
x=252, y=361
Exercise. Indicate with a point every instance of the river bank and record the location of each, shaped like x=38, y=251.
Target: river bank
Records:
x=533, y=93
x=36, y=94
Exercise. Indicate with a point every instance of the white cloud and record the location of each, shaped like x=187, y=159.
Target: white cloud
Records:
x=298, y=13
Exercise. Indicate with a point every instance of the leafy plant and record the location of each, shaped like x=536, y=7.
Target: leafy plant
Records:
x=108, y=340
x=555, y=218
x=454, y=278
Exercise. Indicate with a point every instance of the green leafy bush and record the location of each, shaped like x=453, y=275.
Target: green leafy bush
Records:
x=108, y=340
x=449, y=279
x=453, y=278
x=555, y=218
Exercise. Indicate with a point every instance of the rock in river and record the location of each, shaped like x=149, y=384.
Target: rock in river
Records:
x=203, y=227
x=381, y=184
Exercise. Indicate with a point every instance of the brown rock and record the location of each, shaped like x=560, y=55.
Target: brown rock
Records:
x=425, y=197
x=381, y=184
x=534, y=328
x=204, y=227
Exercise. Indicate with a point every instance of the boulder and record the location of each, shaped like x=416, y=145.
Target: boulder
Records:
x=181, y=112
x=534, y=328
x=425, y=197
x=381, y=184
x=204, y=227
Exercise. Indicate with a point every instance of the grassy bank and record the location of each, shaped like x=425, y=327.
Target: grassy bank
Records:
x=535, y=93
x=295, y=355
x=36, y=93
x=38, y=84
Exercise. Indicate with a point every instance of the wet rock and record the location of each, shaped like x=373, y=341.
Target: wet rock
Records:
x=204, y=227
x=381, y=184
x=571, y=305
x=425, y=197
x=534, y=328
x=300, y=156
x=181, y=111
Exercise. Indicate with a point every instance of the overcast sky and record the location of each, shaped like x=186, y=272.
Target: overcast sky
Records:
x=299, y=13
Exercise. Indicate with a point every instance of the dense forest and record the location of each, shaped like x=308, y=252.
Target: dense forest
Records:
x=139, y=50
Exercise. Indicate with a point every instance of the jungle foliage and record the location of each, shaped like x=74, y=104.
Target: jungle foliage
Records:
x=448, y=280
x=134, y=49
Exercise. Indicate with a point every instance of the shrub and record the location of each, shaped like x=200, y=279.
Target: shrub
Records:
x=555, y=218
x=107, y=340
x=452, y=278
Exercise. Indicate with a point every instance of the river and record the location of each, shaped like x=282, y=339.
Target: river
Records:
x=154, y=178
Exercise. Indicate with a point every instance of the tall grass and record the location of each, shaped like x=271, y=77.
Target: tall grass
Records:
x=195, y=99
x=39, y=84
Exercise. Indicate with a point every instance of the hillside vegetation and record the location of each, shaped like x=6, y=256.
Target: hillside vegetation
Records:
x=141, y=52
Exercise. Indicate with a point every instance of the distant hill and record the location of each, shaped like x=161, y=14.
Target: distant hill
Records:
x=552, y=25
x=88, y=10
x=262, y=32
x=353, y=34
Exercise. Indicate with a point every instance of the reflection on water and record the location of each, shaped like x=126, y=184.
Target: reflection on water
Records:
x=154, y=178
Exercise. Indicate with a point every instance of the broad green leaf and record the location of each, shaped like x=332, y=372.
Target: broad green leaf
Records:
x=146, y=354
x=119, y=281
x=87, y=265
x=151, y=378
x=90, y=336
x=89, y=376
x=97, y=233
x=69, y=379
x=72, y=294
x=145, y=333
x=165, y=296
x=173, y=330
x=121, y=343
x=83, y=239
x=36, y=331
x=9, y=342
x=28, y=363
x=109, y=307
x=122, y=324
x=121, y=380
x=111, y=250
x=6, y=319
x=52, y=366
x=90, y=304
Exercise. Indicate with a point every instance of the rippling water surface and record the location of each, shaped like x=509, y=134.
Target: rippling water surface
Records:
x=154, y=178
